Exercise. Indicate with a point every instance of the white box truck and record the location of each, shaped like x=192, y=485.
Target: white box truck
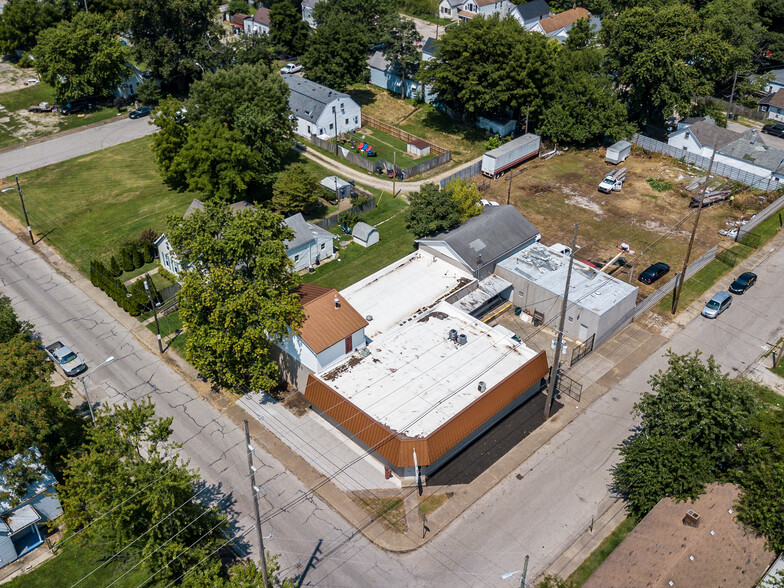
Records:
x=500, y=159
x=618, y=152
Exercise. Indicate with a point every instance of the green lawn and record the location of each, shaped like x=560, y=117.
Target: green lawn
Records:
x=75, y=561
x=88, y=206
x=387, y=147
x=357, y=262
x=598, y=555
x=22, y=99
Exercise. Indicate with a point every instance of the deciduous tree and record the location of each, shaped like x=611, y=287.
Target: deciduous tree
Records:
x=237, y=299
x=466, y=197
x=401, y=46
x=431, y=210
x=295, y=189
x=22, y=20
x=287, y=29
x=337, y=53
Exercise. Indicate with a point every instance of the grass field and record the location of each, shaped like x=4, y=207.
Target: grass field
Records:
x=466, y=142
x=22, y=125
x=88, y=206
x=598, y=555
x=357, y=262
x=74, y=561
x=387, y=147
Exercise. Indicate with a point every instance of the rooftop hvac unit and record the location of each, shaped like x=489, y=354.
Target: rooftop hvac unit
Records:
x=452, y=334
x=482, y=386
x=461, y=339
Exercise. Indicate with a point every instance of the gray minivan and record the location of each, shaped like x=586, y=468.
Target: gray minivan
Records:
x=718, y=304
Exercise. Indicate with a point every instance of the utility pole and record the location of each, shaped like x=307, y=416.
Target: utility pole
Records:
x=154, y=312
x=509, y=191
x=24, y=210
x=557, y=357
x=732, y=93
x=682, y=278
x=525, y=573
x=527, y=112
x=254, y=489
x=394, y=173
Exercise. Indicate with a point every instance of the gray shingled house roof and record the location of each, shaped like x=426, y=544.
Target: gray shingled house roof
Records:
x=430, y=46
x=304, y=232
x=482, y=239
x=533, y=9
x=774, y=99
x=307, y=99
x=749, y=147
x=710, y=135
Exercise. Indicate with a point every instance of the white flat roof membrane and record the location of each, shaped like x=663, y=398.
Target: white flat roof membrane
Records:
x=415, y=378
x=393, y=294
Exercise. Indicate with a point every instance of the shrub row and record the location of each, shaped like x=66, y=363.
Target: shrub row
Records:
x=133, y=300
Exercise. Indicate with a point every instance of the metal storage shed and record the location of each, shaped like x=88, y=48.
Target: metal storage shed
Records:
x=364, y=234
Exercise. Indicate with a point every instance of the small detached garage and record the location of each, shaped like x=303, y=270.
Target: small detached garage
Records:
x=419, y=148
x=340, y=187
x=364, y=234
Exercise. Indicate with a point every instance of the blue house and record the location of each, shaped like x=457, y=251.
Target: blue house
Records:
x=387, y=76
x=21, y=515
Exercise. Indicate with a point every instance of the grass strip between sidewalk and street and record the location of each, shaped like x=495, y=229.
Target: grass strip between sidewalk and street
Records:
x=601, y=553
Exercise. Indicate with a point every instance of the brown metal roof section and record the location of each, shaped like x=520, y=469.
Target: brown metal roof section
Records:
x=397, y=448
x=563, y=19
x=326, y=322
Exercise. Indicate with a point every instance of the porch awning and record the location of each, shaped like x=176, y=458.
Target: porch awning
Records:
x=21, y=518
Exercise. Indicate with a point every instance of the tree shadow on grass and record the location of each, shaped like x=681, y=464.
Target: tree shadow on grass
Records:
x=363, y=96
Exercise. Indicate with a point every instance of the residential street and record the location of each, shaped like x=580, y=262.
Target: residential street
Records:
x=62, y=147
x=539, y=511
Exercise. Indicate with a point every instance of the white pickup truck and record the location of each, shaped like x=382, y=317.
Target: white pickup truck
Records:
x=65, y=359
x=613, y=182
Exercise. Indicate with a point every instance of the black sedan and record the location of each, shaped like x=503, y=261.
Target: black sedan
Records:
x=775, y=130
x=743, y=282
x=653, y=273
x=140, y=112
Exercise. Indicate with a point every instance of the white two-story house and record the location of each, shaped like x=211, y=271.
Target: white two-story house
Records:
x=259, y=23
x=321, y=111
x=467, y=9
x=530, y=13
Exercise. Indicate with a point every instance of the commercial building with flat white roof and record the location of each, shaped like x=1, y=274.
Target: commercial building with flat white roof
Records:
x=397, y=292
x=598, y=302
x=428, y=387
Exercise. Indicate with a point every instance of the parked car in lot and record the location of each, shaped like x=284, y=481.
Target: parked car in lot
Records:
x=653, y=273
x=140, y=112
x=776, y=130
x=743, y=282
x=65, y=359
x=290, y=68
x=716, y=305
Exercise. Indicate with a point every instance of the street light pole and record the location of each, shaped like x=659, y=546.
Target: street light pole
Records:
x=84, y=385
x=154, y=312
x=557, y=357
x=24, y=210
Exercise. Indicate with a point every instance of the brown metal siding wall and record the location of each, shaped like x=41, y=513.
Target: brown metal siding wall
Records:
x=491, y=402
x=400, y=451
x=378, y=437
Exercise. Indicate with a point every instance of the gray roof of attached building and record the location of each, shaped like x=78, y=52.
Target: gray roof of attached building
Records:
x=750, y=147
x=710, y=135
x=362, y=231
x=778, y=74
x=497, y=231
x=308, y=99
x=44, y=480
x=334, y=183
x=378, y=61
x=304, y=232
x=533, y=9
x=430, y=46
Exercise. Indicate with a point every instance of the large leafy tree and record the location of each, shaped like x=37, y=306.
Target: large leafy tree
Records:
x=295, y=189
x=173, y=36
x=287, y=29
x=431, y=210
x=488, y=66
x=80, y=57
x=127, y=487
x=652, y=50
x=401, y=45
x=466, y=197
x=337, y=53
x=229, y=137
x=693, y=426
x=237, y=299
x=22, y=20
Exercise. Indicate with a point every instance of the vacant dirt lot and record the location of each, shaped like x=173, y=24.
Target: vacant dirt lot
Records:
x=557, y=193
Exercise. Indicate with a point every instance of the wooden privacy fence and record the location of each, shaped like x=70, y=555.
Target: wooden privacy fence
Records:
x=733, y=108
x=719, y=168
x=332, y=221
x=397, y=133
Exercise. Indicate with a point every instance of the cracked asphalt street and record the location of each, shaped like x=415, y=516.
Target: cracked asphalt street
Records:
x=539, y=510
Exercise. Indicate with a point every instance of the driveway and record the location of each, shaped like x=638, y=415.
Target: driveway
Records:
x=424, y=28
x=66, y=146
